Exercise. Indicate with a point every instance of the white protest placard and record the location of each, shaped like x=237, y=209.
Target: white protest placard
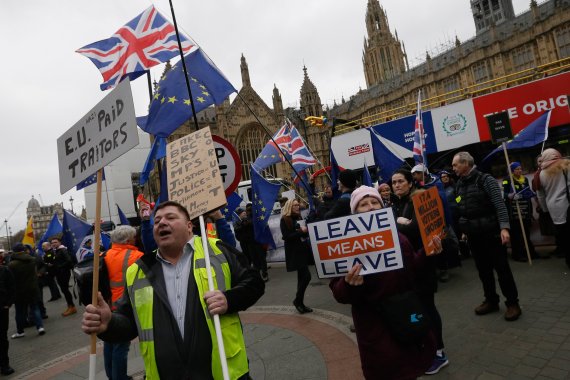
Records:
x=105, y=133
x=370, y=239
x=192, y=173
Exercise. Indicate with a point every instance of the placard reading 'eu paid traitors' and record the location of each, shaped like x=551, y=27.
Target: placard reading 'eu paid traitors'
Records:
x=370, y=239
x=105, y=133
x=193, y=174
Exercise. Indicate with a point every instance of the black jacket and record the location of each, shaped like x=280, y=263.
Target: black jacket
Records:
x=7, y=287
x=187, y=357
x=340, y=208
x=297, y=251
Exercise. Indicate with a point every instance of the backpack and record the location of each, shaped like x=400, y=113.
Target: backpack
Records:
x=83, y=279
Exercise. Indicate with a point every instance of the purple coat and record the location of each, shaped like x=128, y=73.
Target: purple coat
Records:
x=381, y=356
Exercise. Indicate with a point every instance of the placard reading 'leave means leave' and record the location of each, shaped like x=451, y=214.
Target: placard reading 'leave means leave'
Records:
x=192, y=173
x=370, y=239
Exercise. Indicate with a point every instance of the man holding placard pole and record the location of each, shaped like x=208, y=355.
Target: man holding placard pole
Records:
x=185, y=316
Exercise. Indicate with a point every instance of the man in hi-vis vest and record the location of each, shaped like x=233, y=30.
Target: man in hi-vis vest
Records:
x=167, y=304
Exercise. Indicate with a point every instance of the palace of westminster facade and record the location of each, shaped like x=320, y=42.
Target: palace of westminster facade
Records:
x=536, y=42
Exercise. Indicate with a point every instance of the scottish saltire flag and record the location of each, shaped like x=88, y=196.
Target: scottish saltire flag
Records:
x=142, y=43
x=419, y=136
x=74, y=230
x=122, y=217
x=275, y=149
x=385, y=159
x=233, y=202
x=264, y=196
x=366, y=178
x=89, y=181
x=170, y=106
x=54, y=228
x=533, y=134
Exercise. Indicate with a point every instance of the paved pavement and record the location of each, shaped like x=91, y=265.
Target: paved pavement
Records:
x=285, y=345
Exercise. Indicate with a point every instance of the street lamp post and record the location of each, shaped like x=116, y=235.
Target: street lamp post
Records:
x=7, y=238
x=10, y=238
x=71, y=201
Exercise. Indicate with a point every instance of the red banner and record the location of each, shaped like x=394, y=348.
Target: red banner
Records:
x=525, y=103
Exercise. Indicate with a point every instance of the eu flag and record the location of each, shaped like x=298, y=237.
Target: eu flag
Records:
x=335, y=172
x=366, y=178
x=170, y=106
x=89, y=181
x=533, y=134
x=234, y=200
x=74, y=230
x=54, y=228
x=157, y=151
x=264, y=197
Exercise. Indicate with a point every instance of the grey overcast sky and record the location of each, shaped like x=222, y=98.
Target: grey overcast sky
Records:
x=47, y=87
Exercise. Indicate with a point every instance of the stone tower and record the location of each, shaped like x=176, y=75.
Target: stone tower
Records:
x=491, y=12
x=383, y=56
x=310, y=100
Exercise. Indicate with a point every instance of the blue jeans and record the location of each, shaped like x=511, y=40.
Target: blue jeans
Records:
x=115, y=356
x=22, y=313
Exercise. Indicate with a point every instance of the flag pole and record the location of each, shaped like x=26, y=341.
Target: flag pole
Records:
x=216, y=317
x=512, y=180
x=184, y=65
x=97, y=244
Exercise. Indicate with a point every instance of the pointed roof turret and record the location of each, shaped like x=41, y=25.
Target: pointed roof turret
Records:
x=246, y=82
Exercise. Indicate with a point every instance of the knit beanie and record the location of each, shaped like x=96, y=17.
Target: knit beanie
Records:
x=515, y=165
x=360, y=193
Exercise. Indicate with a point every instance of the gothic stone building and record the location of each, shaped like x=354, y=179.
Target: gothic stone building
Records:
x=507, y=50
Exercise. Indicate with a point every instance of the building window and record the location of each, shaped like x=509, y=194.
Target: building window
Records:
x=522, y=58
x=481, y=72
x=563, y=41
x=450, y=84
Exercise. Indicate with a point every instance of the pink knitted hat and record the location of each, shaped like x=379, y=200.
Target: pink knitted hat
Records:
x=360, y=193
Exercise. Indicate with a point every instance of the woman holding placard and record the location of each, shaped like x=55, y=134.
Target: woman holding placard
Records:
x=403, y=187
x=384, y=355
x=297, y=250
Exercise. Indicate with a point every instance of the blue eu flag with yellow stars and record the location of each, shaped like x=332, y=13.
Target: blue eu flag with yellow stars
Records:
x=233, y=202
x=54, y=228
x=170, y=106
x=74, y=230
x=264, y=197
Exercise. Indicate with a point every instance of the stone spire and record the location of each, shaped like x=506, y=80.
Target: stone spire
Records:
x=310, y=99
x=277, y=103
x=246, y=82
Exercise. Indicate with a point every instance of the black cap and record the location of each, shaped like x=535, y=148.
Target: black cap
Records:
x=18, y=247
x=239, y=210
x=348, y=178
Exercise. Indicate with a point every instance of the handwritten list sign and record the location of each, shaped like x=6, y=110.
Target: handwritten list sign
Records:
x=192, y=173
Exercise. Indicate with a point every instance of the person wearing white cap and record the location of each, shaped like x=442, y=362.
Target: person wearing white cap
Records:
x=382, y=355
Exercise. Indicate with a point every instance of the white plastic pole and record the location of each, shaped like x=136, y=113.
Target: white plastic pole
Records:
x=217, y=326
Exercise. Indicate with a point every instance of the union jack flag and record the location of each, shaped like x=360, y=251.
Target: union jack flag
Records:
x=419, y=149
x=286, y=143
x=142, y=43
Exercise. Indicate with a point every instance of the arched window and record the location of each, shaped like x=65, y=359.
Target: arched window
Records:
x=250, y=143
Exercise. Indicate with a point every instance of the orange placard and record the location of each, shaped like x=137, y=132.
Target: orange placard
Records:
x=430, y=217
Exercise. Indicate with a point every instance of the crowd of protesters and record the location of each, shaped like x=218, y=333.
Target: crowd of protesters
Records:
x=160, y=291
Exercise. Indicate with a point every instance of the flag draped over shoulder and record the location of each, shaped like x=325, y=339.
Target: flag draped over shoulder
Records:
x=142, y=43
x=54, y=228
x=264, y=197
x=419, y=136
x=122, y=217
x=170, y=106
x=29, y=233
x=385, y=160
x=533, y=134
